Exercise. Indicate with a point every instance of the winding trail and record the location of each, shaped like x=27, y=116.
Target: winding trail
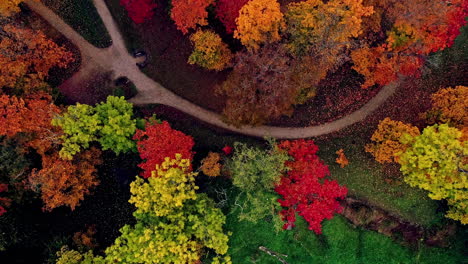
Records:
x=117, y=59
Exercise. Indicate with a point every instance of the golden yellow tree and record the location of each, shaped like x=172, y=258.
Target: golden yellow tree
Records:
x=324, y=27
x=9, y=7
x=389, y=140
x=259, y=22
x=209, y=51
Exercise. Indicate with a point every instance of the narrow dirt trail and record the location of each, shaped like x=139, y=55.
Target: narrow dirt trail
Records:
x=117, y=59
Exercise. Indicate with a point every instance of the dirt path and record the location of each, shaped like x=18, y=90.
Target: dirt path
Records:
x=117, y=59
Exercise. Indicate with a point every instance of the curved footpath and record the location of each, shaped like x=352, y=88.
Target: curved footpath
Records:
x=117, y=59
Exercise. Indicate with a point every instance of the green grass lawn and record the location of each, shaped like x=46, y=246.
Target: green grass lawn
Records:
x=84, y=18
x=339, y=243
x=365, y=179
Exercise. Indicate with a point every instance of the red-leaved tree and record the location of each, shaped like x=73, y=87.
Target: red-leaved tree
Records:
x=139, y=10
x=302, y=189
x=227, y=11
x=188, y=14
x=159, y=141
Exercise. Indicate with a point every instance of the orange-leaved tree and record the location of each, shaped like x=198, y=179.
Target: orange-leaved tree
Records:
x=10, y=7
x=389, y=140
x=27, y=55
x=210, y=51
x=63, y=182
x=32, y=114
x=188, y=14
x=259, y=22
x=210, y=165
x=419, y=27
x=450, y=105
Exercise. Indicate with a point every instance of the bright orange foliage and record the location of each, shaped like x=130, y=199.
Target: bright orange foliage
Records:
x=188, y=14
x=30, y=115
x=259, y=22
x=389, y=142
x=26, y=53
x=342, y=160
x=64, y=182
x=450, y=105
x=380, y=65
x=210, y=165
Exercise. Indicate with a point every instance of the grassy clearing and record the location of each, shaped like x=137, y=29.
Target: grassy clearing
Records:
x=84, y=18
x=129, y=33
x=365, y=180
x=340, y=243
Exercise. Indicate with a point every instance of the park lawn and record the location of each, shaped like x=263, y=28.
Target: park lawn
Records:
x=365, y=180
x=339, y=243
x=83, y=17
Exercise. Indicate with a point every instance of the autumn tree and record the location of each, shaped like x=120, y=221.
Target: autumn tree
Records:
x=64, y=182
x=27, y=55
x=303, y=188
x=437, y=162
x=210, y=165
x=259, y=22
x=159, y=141
x=139, y=10
x=419, y=28
x=390, y=140
x=450, y=105
x=209, y=51
x=188, y=14
x=31, y=116
x=261, y=87
x=9, y=7
x=174, y=224
x=256, y=172
x=110, y=123
x=324, y=28
x=341, y=159
x=227, y=11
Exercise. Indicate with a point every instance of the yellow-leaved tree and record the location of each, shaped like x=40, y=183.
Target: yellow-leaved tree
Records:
x=437, y=162
x=209, y=51
x=174, y=224
x=259, y=22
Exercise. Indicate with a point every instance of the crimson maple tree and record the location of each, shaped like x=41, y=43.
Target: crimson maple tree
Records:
x=159, y=141
x=303, y=189
x=139, y=10
x=227, y=11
